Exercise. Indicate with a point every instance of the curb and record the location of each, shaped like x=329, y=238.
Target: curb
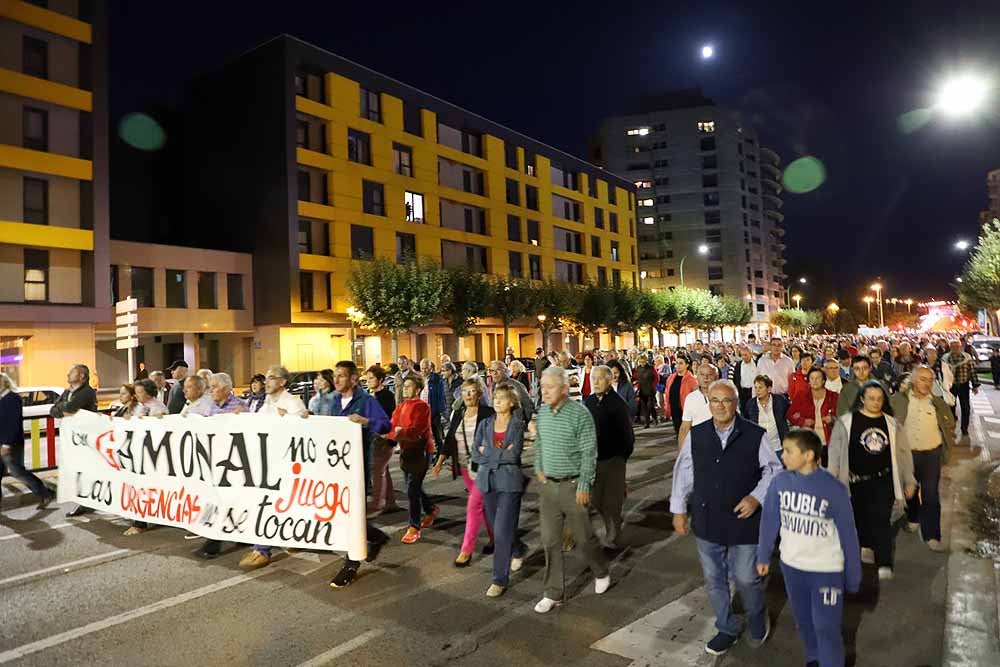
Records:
x=972, y=608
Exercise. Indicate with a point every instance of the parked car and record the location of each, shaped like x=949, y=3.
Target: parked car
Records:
x=984, y=346
x=301, y=384
x=37, y=403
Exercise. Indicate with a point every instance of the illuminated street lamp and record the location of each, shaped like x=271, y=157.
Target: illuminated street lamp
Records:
x=877, y=288
x=961, y=244
x=833, y=307
x=908, y=302
x=702, y=250
x=962, y=95
x=798, y=300
x=868, y=302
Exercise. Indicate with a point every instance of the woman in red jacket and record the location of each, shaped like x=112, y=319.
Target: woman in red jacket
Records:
x=815, y=408
x=678, y=386
x=411, y=429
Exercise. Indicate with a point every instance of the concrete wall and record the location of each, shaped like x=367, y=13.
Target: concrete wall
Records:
x=63, y=52
x=64, y=198
x=49, y=351
x=63, y=127
x=64, y=275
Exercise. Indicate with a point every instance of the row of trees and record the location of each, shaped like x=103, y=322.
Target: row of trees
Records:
x=979, y=288
x=796, y=320
x=399, y=297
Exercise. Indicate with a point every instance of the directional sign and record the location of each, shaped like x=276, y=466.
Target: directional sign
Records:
x=126, y=306
x=127, y=332
x=127, y=319
x=126, y=343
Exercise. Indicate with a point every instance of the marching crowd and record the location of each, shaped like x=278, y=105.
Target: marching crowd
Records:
x=813, y=443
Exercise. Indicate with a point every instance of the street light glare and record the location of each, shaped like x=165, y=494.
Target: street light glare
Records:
x=703, y=249
x=876, y=286
x=961, y=245
x=802, y=280
x=962, y=95
x=707, y=51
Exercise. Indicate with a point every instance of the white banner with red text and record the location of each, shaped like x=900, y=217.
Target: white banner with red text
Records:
x=254, y=479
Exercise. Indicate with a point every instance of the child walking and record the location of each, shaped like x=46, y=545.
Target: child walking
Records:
x=820, y=555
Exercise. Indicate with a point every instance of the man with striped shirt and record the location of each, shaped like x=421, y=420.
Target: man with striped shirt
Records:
x=565, y=461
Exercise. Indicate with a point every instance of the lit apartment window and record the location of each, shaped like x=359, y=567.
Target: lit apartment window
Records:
x=614, y=251
x=706, y=126
x=206, y=290
x=402, y=159
x=370, y=106
x=648, y=220
x=34, y=57
x=637, y=131
x=359, y=147
x=406, y=248
x=645, y=202
x=176, y=289
x=36, y=129
x=36, y=201
x=373, y=197
x=529, y=164
x=234, y=291
x=36, y=275
x=414, y=203
x=643, y=184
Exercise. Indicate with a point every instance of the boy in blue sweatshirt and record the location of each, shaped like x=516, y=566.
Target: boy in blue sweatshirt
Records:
x=820, y=555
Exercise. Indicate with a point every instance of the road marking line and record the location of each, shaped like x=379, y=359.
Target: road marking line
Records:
x=992, y=420
x=65, y=566
x=343, y=649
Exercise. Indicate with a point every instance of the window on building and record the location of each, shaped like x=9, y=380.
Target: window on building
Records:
x=713, y=217
x=616, y=277
x=305, y=236
x=534, y=236
x=302, y=133
x=412, y=121
x=599, y=218
x=715, y=273
x=234, y=291
x=612, y=194
x=669, y=254
x=473, y=181
x=646, y=202
x=36, y=275
x=535, y=267
x=595, y=246
x=359, y=147
x=414, y=204
x=114, y=284
x=475, y=220
x=530, y=166
x=531, y=197
x=760, y=308
x=758, y=274
x=513, y=228
x=592, y=187
x=637, y=166
x=402, y=159
x=206, y=290
x=34, y=57
x=36, y=201
x=710, y=181
x=663, y=199
x=614, y=251
x=142, y=286
x=510, y=155
x=713, y=236
x=406, y=248
x=613, y=222
x=514, y=259
x=662, y=180
x=374, y=197
x=300, y=83
x=712, y=198
x=36, y=129
x=362, y=242
x=305, y=186
x=176, y=288
x=708, y=144
x=371, y=107
x=661, y=164
x=513, y=192
x=709, y=162
x=706, y=126
x=716, y=290
x=670, y=273
x=637, y=131
x=643, y=184
x=305, y=291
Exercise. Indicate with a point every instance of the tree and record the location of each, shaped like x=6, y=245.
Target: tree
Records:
x=795, y=319
x=631, y=310
x=733, y=312
x=596, y=306
x=979, y=288
x=509, y=299
x=397, y=298
x=467, y=299
x=553, y=302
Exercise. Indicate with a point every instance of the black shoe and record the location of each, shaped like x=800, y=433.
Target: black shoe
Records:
x=720, y=643
x=80, y=510
x=488, y=549
x=812, y=663
x=345, y=577
x=373, y=550
x=207, y=554
x=46, y=500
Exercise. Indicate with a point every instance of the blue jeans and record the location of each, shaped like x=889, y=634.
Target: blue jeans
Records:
x=925, y=507
x=12, y=464
x=720, y=563
x=502, y=512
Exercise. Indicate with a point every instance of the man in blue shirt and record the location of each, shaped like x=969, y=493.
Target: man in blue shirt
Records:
x=723, y=472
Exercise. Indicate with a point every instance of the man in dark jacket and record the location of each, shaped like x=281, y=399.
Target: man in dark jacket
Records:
x=175, y=400
x=79, y=395
x=12, y=442
x=645, y=377
x=436, y=398
x=615, y=441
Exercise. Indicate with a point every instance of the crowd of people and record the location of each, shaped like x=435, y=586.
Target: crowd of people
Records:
x=814, y=442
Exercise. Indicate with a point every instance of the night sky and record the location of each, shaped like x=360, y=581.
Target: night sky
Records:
x=828, y=80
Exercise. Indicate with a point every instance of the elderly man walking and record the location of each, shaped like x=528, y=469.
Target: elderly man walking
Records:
x=930, y=429
x=777, y=365
x=723, y=471
x=615, y=442
x=565, y=461
x=79, y=395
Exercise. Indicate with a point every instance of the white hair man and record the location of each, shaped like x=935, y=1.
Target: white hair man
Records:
x=565, y=463
x=501, y=376
x=197, y=402
x=224, y=401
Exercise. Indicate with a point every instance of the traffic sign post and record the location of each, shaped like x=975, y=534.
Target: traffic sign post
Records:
x=127, y=331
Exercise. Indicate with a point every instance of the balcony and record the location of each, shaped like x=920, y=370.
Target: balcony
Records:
x=779, y=231
x=768, y=156
x=772, y=170
x=772, y=200
x=770, y=185
x=774, y=214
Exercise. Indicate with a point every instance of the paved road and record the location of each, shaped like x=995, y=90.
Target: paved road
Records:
x=75, y=592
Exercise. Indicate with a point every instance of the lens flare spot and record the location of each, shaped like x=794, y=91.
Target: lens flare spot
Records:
x=911, y=121
x=142, y=132
x=804, y=175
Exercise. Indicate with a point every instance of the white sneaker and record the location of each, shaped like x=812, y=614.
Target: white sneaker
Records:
x=602, y=584
x=912, y=527
x=516, y=564
x=867, y=556
x=545, y=605
x=935, y=545
x=885, y=574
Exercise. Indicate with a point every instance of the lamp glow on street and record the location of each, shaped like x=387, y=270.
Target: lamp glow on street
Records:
x=707, y=51
x=962, y=95
x=961, y=244
x=703, y=249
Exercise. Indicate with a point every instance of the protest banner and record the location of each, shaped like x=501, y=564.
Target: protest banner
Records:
x=254, y=479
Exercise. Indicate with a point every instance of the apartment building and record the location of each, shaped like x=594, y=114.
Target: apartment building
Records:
x=313, y=163
x=54, y=239
x=709, y=198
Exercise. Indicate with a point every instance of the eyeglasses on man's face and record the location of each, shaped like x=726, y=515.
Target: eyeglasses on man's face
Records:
x=721, y=401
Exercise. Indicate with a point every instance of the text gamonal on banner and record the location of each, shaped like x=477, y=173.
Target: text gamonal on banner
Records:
x=279, y=481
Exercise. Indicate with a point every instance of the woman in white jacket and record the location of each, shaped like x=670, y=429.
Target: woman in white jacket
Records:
x=870, y=455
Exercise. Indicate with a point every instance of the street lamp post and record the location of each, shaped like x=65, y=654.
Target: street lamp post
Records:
x=868, y=302
x=877, y=288
x=908, y=302
x=702, y=250
x=798, y=300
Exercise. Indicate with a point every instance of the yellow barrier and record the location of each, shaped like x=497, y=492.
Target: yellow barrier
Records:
x=36, y=445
